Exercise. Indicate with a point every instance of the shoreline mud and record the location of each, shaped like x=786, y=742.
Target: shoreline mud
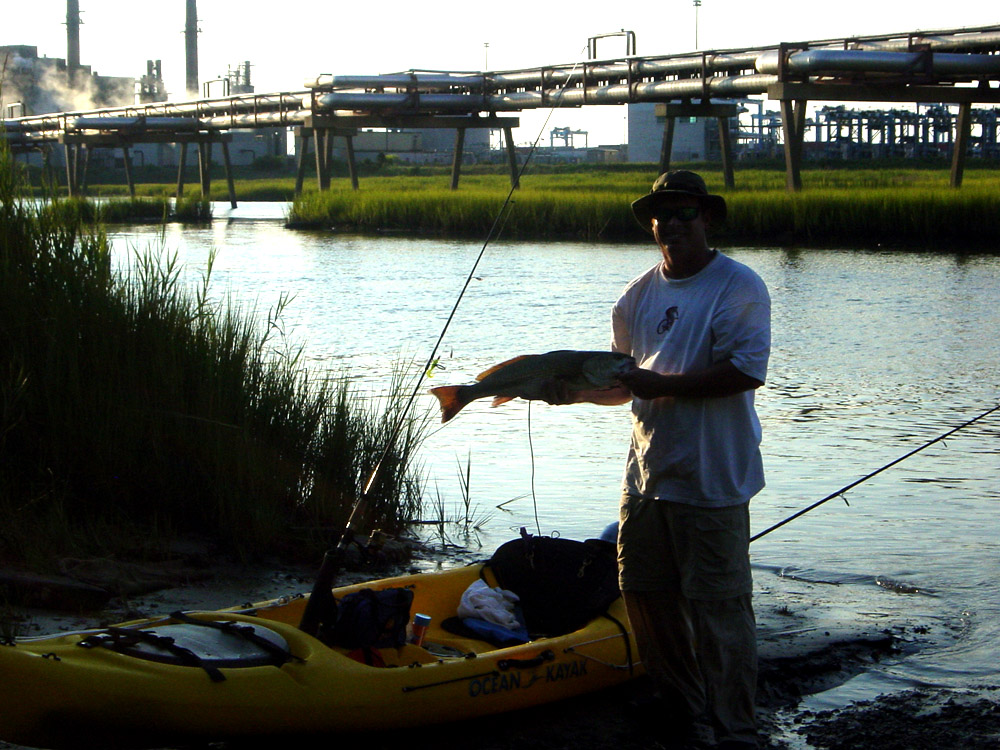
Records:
x=804, y=649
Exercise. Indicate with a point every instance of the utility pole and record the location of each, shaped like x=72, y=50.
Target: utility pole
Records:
x=486, y=56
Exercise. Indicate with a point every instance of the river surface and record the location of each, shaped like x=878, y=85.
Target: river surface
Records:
x=874, y=354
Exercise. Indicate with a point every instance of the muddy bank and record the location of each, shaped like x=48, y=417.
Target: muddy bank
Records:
x=915, y=720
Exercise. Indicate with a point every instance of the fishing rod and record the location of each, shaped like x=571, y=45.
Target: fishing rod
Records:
x=866, y=477
x=321, y=602
x=495, y=228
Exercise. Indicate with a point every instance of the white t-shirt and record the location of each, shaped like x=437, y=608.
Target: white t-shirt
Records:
x=700, y=451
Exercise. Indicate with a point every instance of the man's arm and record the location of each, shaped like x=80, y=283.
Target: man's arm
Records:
x=721, y=379
x=556, y=393
x=604, y=397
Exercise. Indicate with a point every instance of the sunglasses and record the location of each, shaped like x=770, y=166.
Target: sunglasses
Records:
x=684, y=213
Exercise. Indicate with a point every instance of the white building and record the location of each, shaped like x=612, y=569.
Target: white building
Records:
x=693, y=136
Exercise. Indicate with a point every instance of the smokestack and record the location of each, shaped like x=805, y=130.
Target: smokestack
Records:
x=191, y=47
x=72, y=39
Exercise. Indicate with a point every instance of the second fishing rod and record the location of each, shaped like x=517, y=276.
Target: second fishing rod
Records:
x=840, y=493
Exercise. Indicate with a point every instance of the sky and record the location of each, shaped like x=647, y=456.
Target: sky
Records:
x=287, y=45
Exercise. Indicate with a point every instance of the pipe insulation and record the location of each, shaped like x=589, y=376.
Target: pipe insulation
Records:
x=815, y=61
x=618, y=72
x=620, y=93
x=407, y=101
x=651, y=91
x=419, y=81
x=951, y=41
x=137, y=123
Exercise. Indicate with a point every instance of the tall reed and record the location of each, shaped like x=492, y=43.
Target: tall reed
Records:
x=131, y=407
x=866, y=207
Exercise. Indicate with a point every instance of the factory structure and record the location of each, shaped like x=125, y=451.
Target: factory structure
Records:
x=831, y=132
x=36, y=85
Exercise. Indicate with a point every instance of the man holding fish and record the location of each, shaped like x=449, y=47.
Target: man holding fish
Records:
x=690, y=344
x=698, y=326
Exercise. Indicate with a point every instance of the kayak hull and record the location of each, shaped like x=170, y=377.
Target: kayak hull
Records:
x=56, y=693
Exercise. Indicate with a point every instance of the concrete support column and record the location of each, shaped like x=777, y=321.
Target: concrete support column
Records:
x=456, y=159
x=48, y=173
x=84, y=171
x=963, y=129
x=229, y=174
x=352, y=167
x=180, y=171
x=722, y=113
x=205, y=169
x=667, y=144
x=72, y=151
x=321, y=145
x=793, y=118
x=725, y=146
x=508, y=138
x=300, y=172
x=127, y=161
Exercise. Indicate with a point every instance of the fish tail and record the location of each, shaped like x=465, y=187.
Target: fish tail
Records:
x=450, y=398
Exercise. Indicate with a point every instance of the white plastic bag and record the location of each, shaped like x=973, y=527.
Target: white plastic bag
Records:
x=494, y=605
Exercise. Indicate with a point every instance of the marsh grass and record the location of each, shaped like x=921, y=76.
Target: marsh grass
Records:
x=133, y=409
x=87, y=211
x=869, y=216
x=892, y=206
x=192, y=209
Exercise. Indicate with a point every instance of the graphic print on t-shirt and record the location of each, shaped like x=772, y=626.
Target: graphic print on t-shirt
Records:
x=668, y=321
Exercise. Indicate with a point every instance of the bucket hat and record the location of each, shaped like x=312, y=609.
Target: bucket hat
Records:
x=670, y=184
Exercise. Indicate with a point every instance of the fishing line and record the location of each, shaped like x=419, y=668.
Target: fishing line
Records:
x=531, y=452
x=499, y=222
x=866, y=477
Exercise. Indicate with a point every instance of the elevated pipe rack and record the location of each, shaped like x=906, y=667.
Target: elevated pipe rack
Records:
x=957, y=66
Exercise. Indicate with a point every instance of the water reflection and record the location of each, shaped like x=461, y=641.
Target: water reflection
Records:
x=874, y=354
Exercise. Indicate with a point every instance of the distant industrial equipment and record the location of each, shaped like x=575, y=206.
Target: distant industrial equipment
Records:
x=832, y=132
x=566, y=136
x=150, y=86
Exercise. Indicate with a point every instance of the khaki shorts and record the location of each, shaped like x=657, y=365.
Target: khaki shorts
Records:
x=702, y=552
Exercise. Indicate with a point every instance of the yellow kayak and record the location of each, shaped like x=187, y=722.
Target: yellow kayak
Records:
x=252, y=672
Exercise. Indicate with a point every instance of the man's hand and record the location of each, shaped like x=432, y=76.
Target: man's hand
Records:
x=644, y=384
x=555, y=392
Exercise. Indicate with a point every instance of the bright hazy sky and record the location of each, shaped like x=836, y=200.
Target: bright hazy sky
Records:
x=288, y=44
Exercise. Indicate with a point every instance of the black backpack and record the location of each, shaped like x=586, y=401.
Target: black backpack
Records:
x=370, y=619
x=562, y=583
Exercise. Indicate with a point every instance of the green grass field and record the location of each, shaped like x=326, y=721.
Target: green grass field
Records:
x=886, y=205
x=864, y=206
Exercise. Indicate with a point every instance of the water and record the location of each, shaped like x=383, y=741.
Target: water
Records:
x=874, y=354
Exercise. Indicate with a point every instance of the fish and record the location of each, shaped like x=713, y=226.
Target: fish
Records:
x=527, y=375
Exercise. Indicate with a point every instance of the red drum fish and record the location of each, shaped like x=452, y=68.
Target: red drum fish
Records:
x=529, y=375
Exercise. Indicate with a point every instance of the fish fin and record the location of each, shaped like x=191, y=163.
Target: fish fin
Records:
x=450, y=399
x=486, y=373
x=497, y=400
